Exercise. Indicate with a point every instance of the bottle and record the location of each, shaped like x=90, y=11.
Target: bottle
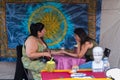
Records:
x=106, y=63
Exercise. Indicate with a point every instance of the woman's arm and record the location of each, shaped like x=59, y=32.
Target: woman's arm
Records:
x=71, y=54
x=32, y=48
x=59, y=52
x=84, y=48
x=77, y=51
x=80, y=52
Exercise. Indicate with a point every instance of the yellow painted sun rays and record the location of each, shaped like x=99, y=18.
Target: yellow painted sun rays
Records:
x=54, y=21
x=52, y=25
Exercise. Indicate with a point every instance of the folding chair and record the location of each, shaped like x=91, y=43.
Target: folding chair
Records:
x=21, y=73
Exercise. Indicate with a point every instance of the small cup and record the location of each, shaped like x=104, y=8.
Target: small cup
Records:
x=62, y=48
x=75, y=48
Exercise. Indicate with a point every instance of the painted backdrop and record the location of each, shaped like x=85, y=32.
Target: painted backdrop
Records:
x=60, y=20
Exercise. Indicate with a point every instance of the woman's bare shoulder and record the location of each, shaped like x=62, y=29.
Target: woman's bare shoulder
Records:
x=31, y=39
x=88, y=44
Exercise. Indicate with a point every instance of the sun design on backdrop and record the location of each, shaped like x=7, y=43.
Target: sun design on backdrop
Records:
x=54, y=21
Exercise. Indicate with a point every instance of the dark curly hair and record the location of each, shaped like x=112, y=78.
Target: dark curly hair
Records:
x=82, y=35
x=35, y=27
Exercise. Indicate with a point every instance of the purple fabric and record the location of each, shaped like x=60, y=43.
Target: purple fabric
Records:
x=66, y=62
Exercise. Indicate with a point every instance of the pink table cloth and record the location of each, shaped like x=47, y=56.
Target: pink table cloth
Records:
x=66, y=62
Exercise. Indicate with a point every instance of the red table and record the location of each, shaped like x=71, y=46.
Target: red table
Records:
x=66, y=74
x=94, y=74
x=54, y=75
